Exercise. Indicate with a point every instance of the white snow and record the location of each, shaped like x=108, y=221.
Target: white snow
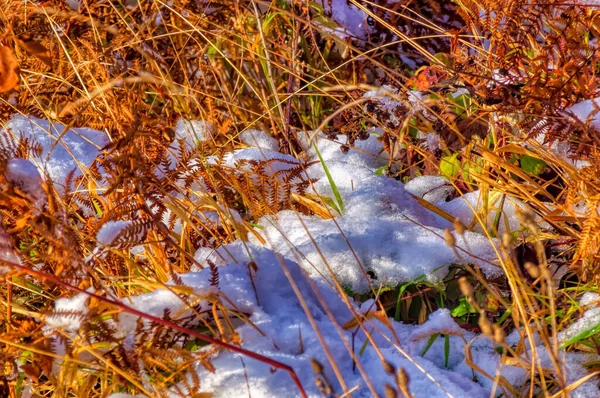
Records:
x=589, y=319
x=431, y=188
x=385, y=228
x=110, y=230
x=64, y=149
x=259, y=139
x=388, y=101
x=439, y=322
x=68, y=313
x=351, y=20
x=280, y=317
x=205, y=254
x=464, y=206
x=24, y=174
x=382, y=229
x=193, y=131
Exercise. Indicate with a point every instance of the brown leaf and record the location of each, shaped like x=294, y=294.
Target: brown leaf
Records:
x=9, y=70
x=35, y=48
x=32, y=372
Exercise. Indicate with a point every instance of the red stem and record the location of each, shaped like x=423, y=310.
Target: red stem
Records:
x=171, y=325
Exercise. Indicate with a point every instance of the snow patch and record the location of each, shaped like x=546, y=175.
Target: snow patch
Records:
x=68, y=313
x=259, y=139
x=110, y=230
x=26, y=176
x=64, y=150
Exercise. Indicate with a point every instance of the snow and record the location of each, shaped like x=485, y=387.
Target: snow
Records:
x=464, y=207
x=431, y=188
x=64, y=149
x=259, y=139
x=204, y=255
x=73, y=4
x=381, y=230
x=387, y=100
x=587, y=112
x=193, y=131
x=387, y=230
x=589, y=319
x=110, y=230
x=276, y=311
x=68, y=313
x=25, y=175
x=280, y=317
x=439, y=322
x=350, y=19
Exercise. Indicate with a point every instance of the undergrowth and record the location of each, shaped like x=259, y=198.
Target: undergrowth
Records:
x=495, y=79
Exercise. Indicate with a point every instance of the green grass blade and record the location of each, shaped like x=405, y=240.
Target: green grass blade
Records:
x=446, y=350
x=429, y=343
x=334, y=188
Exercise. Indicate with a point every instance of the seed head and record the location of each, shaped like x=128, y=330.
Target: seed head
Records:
x=450, y=241
x=459, y=227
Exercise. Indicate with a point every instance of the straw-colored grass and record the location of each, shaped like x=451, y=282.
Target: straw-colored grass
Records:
x=133, y=68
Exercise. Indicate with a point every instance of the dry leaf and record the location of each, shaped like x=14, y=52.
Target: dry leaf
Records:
x=313, y=205
x=9, y=70
x=379, y=315
x=31, y=371
x=35, y=48
x=427, y=77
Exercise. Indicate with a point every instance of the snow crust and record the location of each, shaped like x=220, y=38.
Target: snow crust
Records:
x=287, y=336
x=431, y=188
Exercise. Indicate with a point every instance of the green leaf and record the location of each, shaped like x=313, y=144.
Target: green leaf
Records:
x=413, y=131
x=464, y=105
x=268, y=20
x=450, y=166
x=255, y=225
x=443, y=58
x=212, y=50
x=405, y=286
x=532, y=165
x=381, y=171
x=364, y=346
x=463, y=308
x=504, y=316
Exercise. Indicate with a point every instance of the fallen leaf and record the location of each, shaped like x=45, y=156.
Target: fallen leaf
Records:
x=354, y=322
x=35, y=48
x=32, y=372
x=9, y=70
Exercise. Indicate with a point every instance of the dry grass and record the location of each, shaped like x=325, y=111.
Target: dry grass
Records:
x=133, y=68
